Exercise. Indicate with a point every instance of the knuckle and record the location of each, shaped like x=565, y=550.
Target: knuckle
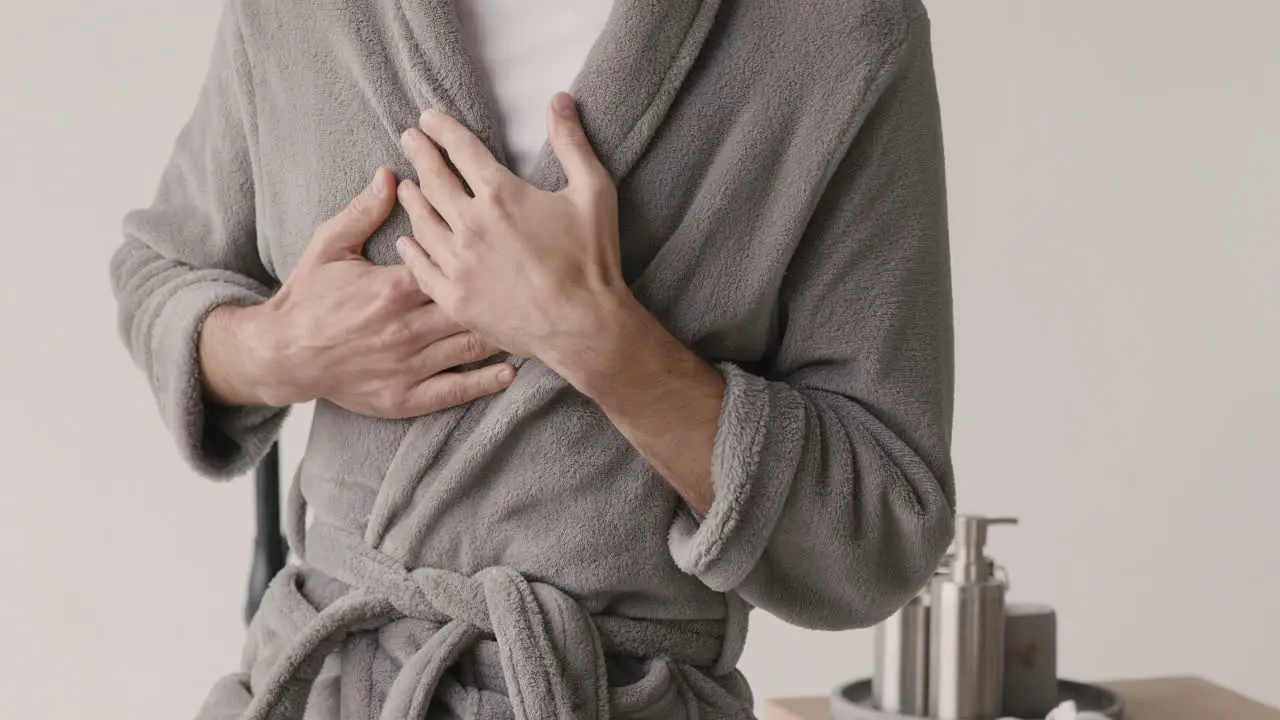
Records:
x=359, y=205
x=403, y=285
x=473, y=347
x=467, y=225
x=502, y=196
x=495, y=186
x=389, y=294
x=391, y=403
x=461, y=393
x=453, y=393
x=573, y=135
x=396, y=334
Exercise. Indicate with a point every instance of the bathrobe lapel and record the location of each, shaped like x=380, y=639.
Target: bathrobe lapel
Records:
x=626, y=86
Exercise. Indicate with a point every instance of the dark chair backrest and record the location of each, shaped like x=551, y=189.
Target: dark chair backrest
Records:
x=269, y=547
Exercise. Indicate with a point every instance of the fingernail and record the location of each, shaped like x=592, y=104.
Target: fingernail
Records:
x=402, y=244
x=563, y=104
x=379, y=186
x=506, y=374
x=403, y=187
x=404, y=136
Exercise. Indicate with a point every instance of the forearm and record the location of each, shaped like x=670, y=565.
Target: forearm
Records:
x=231, y=361
x=659, y=394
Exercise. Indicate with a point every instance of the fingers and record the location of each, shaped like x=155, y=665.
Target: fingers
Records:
x=468, y=152
x=429, y=228
x=425, y=218
x=451, y=351
x=403, y=283
x=344, y=235
x=449, y=389
x=440, y=186
x=570, y=143
x=429, y=276
x=429, y=325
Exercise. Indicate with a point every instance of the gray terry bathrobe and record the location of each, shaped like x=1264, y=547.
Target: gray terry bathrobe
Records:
x=781, y=190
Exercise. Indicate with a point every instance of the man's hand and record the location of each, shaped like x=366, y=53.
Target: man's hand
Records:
x=362, y=336
x=539, y=274
x=526, y=269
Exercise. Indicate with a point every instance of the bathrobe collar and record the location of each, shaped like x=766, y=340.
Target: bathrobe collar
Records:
x=624, y=89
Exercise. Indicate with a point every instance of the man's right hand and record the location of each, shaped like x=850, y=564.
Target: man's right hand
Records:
x=348, y=331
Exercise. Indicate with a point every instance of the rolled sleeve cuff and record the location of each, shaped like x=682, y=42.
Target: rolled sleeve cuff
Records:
x=217, y=441
x=722, y=548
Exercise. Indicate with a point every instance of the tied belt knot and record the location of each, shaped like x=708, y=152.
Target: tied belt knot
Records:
x=551, y=650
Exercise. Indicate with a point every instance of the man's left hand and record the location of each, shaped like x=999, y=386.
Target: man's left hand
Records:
x=527, y=270
x=538, y=273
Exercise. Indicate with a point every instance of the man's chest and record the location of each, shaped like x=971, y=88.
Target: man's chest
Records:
x=705, y=229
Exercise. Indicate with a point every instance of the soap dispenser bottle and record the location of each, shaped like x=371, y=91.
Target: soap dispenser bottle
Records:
x=966, y=628
x=900, y=673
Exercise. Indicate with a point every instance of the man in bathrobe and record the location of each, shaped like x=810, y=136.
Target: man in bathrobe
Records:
x=572, y=424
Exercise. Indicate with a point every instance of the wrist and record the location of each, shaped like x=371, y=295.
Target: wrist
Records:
x=240, y=359
x=594, y=334
x=621, y=348
x=277, y=372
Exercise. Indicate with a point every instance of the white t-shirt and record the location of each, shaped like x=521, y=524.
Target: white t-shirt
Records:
x=528, y=51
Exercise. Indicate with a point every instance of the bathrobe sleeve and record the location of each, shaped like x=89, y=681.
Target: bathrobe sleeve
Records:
x=834, y=490
x=194, y=248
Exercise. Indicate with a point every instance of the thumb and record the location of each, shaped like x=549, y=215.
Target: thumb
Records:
x=345, y=234
x=570, y=143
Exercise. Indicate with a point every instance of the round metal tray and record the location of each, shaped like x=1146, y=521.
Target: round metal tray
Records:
x=853, y=701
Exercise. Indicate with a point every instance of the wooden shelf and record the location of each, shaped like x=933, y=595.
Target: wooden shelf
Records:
x=1173, y=698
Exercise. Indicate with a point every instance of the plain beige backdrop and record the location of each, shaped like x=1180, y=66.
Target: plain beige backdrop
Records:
x=1116, y=233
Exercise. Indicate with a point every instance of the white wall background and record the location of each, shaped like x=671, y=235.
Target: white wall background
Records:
x=1116, y=245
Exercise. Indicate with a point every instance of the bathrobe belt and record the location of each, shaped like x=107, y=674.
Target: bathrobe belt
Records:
x=550, y=648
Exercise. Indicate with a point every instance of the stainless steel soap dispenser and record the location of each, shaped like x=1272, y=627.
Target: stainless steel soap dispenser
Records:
x=966, y=628
x=900, y=676
x=899, y=683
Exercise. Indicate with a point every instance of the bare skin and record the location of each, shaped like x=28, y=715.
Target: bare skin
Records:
x=343, y=329
x=538, y=273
